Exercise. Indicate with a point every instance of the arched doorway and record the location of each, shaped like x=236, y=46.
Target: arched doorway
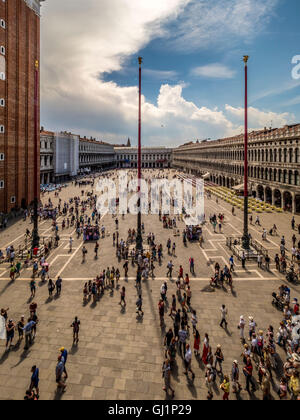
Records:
x=287, y=201
x=277, y=198
x=297, y=203
x=260, y=192
x=268, y=197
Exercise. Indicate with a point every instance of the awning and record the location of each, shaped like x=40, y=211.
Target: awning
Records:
x=206, y=176
x=239, y=187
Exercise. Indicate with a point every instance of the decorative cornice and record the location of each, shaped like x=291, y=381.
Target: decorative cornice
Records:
x=34, y=5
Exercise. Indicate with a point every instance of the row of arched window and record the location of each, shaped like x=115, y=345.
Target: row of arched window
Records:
x=283, y=176
x=286, y=155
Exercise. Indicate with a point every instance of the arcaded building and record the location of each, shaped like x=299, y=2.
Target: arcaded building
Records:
x=152, y=157
x=64, y=155
x=19, y=50
x=95, y=155
x=274, y=163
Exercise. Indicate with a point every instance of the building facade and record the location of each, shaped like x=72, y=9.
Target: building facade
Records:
x=152, y=157
x=95, y=155
x=46, y=157
x=65, y=155
x=274, y=164
x=59, y=156
x=19, y=50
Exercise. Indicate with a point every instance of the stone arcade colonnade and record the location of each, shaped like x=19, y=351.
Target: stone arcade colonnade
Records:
x=274, y=163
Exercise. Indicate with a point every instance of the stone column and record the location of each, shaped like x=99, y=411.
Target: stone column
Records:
x=293, y=203
x=272, y=195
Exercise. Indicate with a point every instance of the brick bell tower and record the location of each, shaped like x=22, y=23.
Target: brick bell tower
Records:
x=19, y=51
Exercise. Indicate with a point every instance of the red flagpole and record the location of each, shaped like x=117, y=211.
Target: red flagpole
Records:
x=246, y=239
x=246, y=132
x=139, y=239
x=35, y=234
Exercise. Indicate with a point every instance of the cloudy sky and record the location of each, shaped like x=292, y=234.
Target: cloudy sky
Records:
x=192, y=70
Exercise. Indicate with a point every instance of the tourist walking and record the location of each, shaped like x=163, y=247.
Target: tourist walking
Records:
x=139, y=304
x=76, y=327
x=225, y=386
x=34, y=381
x=59, y=370
x=224, y=314
x=10, y=333
x=241, y=327
x=235, y=376
x=166, y=371
x=64, y=358
x=219, y=358
x=122, y=295
x=188, y=361
x=170, y=269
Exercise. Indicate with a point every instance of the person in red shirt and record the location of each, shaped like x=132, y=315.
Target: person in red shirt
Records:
x=161, y=310
x=248, y=369
x=296, y=307
x=186, y=281
x=180, y=274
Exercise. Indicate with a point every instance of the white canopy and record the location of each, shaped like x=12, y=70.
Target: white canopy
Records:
x=239, y=187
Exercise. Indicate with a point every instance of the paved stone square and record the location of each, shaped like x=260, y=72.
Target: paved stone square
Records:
x=119, y=356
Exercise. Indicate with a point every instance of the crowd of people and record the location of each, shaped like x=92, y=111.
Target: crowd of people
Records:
x=179, y=322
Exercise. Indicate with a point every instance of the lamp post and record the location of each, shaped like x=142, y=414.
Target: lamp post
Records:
x=35, y=233
x=139, y=239
x=246, y=239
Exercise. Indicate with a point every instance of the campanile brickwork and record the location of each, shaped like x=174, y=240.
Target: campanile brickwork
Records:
x=20, y=38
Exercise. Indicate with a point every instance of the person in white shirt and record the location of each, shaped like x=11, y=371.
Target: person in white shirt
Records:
x=163, y=292
x=170, y=269
x=252, y=326
x=259, y=260
x=254, y=347
x=242, y=328
x=224, y=314
x=188, y=361
x=194, y=320
x=209, y=380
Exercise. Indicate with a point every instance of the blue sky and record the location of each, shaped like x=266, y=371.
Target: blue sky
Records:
x=192, y=71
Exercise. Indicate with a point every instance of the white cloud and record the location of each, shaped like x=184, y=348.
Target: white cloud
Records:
x=207, y=24
x=278, y=90
x=293, y=101
x=259, y=119
x=79, y=45
x=215, y=71
x=96, y=37
x=162, y=75
x=82, y=40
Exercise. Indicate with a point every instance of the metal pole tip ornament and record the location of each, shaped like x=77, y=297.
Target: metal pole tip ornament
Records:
x=246, y=58
x=37, y=64
x=140, y=60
